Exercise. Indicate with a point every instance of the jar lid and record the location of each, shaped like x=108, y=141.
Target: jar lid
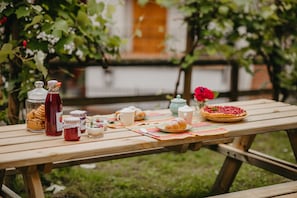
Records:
x=39, y=93
x=78, y=113
x=185, y=108
x=53, y=85
x=71, y=120
x=127, y=110
x=178, y=99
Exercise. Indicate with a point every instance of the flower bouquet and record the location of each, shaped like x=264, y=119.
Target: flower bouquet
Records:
x=202, y=95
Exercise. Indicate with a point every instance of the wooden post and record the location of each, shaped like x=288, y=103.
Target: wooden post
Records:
x=188, y=71
x=2, y=175
x=234, y=81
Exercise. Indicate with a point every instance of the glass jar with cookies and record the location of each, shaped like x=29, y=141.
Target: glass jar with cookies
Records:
x=35, y=109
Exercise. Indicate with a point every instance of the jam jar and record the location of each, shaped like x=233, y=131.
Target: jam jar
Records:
x=72, y=129
x=35, y=108
x=82, y=115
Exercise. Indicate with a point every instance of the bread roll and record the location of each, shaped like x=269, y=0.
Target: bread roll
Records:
x=139, y=115
x=176, y=124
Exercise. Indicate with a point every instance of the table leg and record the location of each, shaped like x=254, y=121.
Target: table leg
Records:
x=292, y=134
x=231, y=166
x=2, y=175
x=32, y=182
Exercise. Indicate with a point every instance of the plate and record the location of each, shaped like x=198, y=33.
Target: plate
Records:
x=162, y=128
x=218, y=119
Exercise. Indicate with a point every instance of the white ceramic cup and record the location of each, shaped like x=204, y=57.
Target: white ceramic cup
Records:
x=186, y=113
x=126, y=116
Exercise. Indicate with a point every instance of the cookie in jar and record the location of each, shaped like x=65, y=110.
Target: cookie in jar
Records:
x=35, y=108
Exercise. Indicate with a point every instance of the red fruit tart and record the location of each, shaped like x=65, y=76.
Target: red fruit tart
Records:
x=223, y=113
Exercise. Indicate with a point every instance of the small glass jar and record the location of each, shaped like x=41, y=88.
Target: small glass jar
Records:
x=72, y=129
x=82, y=115
x=35, y=108
x=96, y=128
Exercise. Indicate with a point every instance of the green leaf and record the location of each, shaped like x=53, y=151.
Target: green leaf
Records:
x=142, y=2
x=216, y=94
x=7, y=47
x=223, y=10
x=60, y=45
x=114, y=41
x=95, y=8
x=22, y=12
x=138, y=33
x=37, y=8
x=101, y=20
x=61, y=24
x=57, y=33
x=78, y=41
x=35, y=20
x=39, y=61
x=82, y=19
x=110, y=10
x=6, y=51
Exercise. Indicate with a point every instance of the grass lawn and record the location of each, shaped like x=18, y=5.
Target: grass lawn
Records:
x=186, y=175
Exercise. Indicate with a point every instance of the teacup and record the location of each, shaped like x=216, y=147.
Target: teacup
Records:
x=126, y=116
x=186, y=113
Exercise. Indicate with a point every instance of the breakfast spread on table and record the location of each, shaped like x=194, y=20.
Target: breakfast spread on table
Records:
x=160, y=124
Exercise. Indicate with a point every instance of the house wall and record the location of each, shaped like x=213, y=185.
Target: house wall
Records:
x=155, y=79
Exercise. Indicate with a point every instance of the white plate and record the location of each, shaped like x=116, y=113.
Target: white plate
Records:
x=162, y=128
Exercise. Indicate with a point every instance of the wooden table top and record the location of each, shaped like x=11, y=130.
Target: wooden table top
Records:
x=19, y=148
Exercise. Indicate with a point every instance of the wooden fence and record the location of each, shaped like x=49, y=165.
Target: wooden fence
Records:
x=233, y=94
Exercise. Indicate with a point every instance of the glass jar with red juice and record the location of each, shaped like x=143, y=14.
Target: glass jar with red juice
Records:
x=53, y=110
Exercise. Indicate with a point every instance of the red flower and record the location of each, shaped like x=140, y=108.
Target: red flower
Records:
x=202, y=94
x=24, y=43
x=3, y=20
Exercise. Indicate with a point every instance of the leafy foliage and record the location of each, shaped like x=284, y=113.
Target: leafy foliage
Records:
x=244, y=32
x=36, y=32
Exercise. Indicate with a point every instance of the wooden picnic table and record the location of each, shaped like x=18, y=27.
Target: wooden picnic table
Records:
x=32, y=153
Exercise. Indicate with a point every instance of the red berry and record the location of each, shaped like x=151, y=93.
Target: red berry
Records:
x=3, y=20
x=24, y=43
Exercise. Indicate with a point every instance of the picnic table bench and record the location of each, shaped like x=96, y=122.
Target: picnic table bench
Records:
x=282, y=190
x=33, y=153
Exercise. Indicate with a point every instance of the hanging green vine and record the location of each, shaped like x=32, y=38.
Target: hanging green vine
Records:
x=244, y=32
x=36, y=32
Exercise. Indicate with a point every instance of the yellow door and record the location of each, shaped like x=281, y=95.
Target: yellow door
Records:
x=151, y=21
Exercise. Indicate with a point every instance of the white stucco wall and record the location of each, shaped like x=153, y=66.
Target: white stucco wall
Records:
x=138, y=80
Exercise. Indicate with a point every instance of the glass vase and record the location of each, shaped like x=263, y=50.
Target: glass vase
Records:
x=199, y=105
